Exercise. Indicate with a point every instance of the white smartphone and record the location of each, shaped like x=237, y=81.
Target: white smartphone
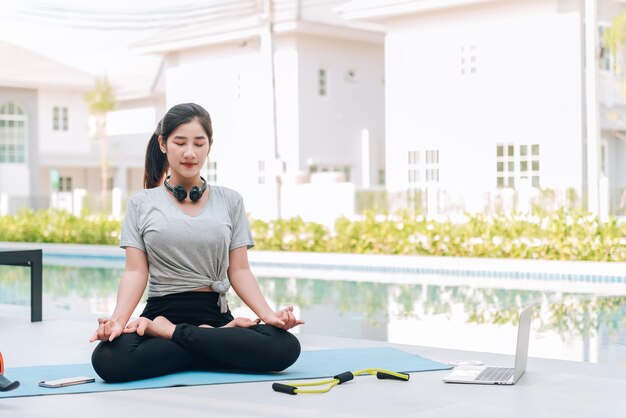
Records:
x=68, y=381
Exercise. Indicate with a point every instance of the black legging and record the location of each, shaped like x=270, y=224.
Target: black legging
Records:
x=132, y=357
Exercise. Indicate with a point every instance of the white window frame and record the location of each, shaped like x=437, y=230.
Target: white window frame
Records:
x=13, y=140
x=469, y=59
x=60, y=118
x=322, y=82
x=518, y=162
x=345, y=169
x=604, y=157
x=423, y=167
x=431, y=166
x=413, y=168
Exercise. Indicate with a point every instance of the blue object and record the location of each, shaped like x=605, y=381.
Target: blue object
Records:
x=310, y=365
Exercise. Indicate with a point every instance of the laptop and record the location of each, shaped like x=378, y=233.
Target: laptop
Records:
x=484, y=375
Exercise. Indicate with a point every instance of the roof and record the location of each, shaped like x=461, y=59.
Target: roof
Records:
x=26, y=69
x=382, y=9
x=231, y=20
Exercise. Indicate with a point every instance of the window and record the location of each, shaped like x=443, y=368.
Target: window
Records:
x=422, y=172
x=322, y=83
x=381, y=177
x=60, y=118
x=65, y=184
x=604, y=158
x=431, y=166
x=346, y=170
x=414, y=168
x=468, y=60
x=13, y=134
x=505, y=165
x=529, y=163
x=511, y=166
x=605, y=57
x=212, y=172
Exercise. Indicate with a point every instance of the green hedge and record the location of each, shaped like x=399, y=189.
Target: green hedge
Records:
x=55, y=226
x=554, y=236
x=549, y=236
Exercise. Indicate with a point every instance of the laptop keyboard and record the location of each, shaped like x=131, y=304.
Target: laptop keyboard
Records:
x=496, y=374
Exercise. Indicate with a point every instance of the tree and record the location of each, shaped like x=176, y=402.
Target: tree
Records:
x=101, y=99
x=614, y=38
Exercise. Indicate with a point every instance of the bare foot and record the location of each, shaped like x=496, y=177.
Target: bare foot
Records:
x=161, y=327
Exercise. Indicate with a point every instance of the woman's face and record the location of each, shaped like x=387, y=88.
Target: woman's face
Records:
x=187, y=149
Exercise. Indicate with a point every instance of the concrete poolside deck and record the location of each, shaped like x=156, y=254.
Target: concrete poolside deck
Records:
x=550, y=388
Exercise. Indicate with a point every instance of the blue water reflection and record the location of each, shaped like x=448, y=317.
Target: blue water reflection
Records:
x=571, y=326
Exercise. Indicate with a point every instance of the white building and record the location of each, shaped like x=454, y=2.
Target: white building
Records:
x=48, y=154
x=493, y=103
x=329, y=83
x=303, y=151
x=44, y=138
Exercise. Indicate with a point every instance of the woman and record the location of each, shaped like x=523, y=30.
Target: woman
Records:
x=191, y=241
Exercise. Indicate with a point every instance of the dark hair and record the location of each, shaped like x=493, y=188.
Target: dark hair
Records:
x=156, y=161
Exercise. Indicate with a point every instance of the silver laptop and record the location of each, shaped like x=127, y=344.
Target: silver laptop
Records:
x=484, y=375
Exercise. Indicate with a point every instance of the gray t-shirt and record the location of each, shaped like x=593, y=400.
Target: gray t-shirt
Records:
x=186, y=252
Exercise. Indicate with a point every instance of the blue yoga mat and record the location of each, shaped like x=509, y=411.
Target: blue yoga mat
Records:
x=310, y=365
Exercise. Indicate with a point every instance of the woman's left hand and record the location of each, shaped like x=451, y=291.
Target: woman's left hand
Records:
x=284, y=319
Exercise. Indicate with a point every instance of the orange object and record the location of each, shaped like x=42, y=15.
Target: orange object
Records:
x=1, y=364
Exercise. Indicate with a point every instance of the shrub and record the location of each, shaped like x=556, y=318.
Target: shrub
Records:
x=55, y=226
x=557, y=235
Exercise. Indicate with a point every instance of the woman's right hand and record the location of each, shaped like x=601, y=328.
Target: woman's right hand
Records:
x=108, y=330
x=241, y=322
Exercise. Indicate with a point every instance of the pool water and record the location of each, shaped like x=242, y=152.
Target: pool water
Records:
x=568, y=326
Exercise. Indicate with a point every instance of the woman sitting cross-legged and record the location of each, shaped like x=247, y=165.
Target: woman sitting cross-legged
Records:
x=189, y=243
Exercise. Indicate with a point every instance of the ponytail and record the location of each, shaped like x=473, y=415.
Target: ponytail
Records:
x=156, y=164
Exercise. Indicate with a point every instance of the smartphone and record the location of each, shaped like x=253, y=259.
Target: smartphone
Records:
x=68, y=381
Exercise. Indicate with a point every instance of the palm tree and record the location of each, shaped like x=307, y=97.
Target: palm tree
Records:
x=101, y=99
x=614, y=38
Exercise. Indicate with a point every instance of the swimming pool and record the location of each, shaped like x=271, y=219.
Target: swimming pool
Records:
x=449, y=311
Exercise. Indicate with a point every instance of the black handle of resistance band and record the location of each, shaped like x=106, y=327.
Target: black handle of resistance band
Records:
x=289, y=390
x=6, y=385
x=383, y=375
x=344, y=377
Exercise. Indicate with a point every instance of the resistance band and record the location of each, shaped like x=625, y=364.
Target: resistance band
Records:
x=294, y=389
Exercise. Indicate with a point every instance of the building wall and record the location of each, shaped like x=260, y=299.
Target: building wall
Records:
x=526, y=89
x=331, y=126
x=74, y=141
x=231, y=83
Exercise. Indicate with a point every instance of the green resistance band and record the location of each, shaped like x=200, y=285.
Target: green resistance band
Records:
x=295, y=388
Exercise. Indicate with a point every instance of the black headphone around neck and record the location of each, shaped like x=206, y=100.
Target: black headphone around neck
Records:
x=180, y=193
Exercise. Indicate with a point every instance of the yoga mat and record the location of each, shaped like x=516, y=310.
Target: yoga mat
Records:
x=310, y=365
